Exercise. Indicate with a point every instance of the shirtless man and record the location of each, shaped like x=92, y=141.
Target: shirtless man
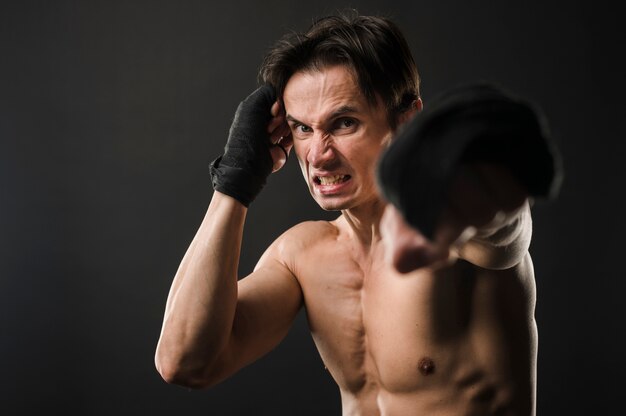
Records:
x=405, y=324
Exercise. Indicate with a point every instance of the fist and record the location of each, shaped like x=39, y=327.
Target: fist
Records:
x=481, y=199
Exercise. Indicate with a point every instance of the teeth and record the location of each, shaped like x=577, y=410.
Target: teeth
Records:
x=331, y=180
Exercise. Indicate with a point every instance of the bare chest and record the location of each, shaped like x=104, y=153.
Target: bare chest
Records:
x=458, y=335
x=373, y=326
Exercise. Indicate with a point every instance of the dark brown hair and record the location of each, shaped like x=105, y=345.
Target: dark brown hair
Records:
x=373, y=47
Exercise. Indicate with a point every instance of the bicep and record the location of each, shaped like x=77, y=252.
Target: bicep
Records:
x=268, y=301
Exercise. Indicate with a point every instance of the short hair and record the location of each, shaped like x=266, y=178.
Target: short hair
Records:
x=373, y=47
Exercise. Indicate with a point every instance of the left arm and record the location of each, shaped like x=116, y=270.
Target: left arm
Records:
x=489, y=209
x=458, y=178
x=486, y=221
x=503, y=247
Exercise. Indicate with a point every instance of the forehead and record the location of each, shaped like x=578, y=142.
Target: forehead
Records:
x=321, y=91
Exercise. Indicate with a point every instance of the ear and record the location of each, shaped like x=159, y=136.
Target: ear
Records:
x=408, y=114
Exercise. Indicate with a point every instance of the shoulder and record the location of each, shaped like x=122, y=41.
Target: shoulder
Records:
x=307, y=235
x=299, y=242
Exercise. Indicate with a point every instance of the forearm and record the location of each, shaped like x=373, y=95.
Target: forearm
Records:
x=502, y=245
x=202, y=300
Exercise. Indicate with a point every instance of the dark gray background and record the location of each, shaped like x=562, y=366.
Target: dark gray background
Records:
x=110, y=113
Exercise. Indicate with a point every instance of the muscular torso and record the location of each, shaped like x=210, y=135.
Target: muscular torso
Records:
x=458, y=340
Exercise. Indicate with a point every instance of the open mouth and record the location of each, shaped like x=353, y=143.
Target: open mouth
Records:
x=331, y=180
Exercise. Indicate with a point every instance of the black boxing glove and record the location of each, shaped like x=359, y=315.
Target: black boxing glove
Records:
x=471, y=123
x=241, y=172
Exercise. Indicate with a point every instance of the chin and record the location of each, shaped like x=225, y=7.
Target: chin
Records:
x=332, y=204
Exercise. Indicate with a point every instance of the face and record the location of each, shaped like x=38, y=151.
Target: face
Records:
x=337, y=136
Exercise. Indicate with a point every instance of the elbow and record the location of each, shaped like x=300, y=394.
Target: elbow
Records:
x=175, y=371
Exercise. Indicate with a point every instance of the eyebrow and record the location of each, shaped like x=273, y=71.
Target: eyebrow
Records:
x=344, y=109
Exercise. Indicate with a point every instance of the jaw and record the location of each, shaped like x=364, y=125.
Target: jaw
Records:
x=356, y=199
x=331, y=202
x=330, y=196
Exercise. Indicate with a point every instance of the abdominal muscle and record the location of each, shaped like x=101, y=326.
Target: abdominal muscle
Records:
x=454, y=341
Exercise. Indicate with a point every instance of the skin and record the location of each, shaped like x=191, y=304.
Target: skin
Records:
x=404, y=325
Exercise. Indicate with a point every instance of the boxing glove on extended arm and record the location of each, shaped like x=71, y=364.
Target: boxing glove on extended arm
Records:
x=471, y=123
x=241, y=172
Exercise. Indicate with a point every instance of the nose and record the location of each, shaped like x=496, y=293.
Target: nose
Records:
x=321, y=152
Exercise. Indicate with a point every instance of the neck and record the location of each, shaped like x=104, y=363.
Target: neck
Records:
x=364, y=221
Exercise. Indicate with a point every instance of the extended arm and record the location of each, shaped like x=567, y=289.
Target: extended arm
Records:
x=459, y=177
x=487, y=220
x=501, y=247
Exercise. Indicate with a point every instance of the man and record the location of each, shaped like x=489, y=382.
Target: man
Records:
x=436, y=320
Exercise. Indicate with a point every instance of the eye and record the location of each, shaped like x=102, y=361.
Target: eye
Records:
x=303, y=129
x=299, y=130
x=345, y=125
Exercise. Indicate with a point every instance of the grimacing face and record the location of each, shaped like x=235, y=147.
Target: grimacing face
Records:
x=337, y=135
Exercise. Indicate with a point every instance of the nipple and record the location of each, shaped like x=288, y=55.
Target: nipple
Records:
x=426, y=366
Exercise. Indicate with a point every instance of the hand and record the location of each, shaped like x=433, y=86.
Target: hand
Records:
x=280, y=136
x=241, y=172
x=482, y=199
x=471, y=125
